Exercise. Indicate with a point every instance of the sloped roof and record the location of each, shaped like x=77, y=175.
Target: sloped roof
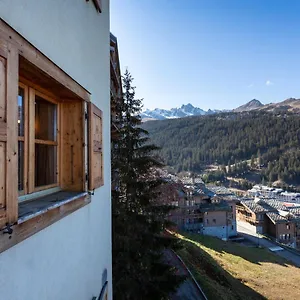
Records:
x=276, y=218
x=263, y=205
x=220, y=206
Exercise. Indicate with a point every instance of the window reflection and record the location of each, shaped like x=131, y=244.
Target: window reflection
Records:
x=21, y=112
x=45, y=120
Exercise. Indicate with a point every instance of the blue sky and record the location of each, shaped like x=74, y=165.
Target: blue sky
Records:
x=212, y=53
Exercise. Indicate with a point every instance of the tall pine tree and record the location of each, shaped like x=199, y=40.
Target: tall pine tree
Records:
x=139, y=270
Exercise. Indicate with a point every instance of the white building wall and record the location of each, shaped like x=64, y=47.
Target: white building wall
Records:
x=66, y=260
x=232, y=230
x=218, y=231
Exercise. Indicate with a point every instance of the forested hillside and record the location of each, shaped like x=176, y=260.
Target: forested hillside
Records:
x=191, y=143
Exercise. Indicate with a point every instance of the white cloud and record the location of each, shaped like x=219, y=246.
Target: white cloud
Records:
x=251, y=85
x=269, y=82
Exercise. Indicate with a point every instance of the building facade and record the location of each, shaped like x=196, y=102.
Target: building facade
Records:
x=279, y=220
x=55, y=203
x=197, y=211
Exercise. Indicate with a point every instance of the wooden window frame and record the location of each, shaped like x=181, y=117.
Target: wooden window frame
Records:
x=15, y=48
x=30, y=141
x=24, y=139
x=33, y=141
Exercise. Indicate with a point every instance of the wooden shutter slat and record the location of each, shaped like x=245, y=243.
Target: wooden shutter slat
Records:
x=95, y=147
x=9, y=58
x=2, y=176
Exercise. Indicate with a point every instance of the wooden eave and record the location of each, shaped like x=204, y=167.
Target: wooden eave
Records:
x=31, y=54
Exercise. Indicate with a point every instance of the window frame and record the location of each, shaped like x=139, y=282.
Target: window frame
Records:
x=19, y=56
x=30, y=190
x=24, y=139
x=33, y=92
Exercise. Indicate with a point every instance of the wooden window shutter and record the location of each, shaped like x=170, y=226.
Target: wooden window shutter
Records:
x=9, y=59
x=95, y=147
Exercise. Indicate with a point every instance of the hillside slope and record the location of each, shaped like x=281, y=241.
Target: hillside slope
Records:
x=228, y=271
x=191, y=143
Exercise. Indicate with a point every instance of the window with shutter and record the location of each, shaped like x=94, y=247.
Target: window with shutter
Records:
x=8, y=134
x=95, y=147
x=43, y=147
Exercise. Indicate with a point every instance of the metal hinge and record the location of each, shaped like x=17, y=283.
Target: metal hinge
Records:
x=86, y=115
x=92, y=193
x=7, y=229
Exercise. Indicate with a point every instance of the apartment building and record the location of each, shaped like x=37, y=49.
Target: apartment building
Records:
x=197, y=211
x=55, y=203
x=277, y=219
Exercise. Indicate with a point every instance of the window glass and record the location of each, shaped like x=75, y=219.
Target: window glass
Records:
x=45, y=143
x=21, y=112
x=21, y=122
x=45, y=119
x=20, y=166
x=45, y=164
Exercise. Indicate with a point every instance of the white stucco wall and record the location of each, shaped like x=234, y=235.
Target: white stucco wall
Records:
x=66, y=260
x=232, y=231
x=218, y=231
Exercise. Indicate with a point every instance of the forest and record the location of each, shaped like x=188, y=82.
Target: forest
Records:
x=271, y=140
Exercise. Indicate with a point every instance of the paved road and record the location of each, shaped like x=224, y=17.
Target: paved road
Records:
x=249, y=234
x=188, y=289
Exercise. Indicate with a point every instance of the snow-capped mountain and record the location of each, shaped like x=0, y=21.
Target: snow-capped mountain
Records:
x=291, y=105
x=181, y=112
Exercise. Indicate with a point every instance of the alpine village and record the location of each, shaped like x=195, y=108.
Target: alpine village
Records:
x=103, y=198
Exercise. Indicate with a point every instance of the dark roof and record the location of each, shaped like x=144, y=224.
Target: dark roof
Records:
x=276, y=218
x=219, y=206
x=113, y=38
x=263, y=206
x=294, y=210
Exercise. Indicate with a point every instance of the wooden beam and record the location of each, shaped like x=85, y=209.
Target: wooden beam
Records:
x=12, y=134
x=34, y=225
x=31, y=138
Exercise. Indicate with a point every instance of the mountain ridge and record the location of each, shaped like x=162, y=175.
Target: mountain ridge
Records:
x=252, y=104
x=188, y=110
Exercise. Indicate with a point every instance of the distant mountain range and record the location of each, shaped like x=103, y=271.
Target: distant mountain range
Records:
x=175, y=113
x=288, y=105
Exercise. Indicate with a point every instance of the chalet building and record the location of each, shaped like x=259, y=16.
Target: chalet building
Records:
x=279, y=220
x=253, y=212
x=219, y=219
x=115, y=98
x=115, y=84
x=199, y=212
x=55, y=203
x=282, y=227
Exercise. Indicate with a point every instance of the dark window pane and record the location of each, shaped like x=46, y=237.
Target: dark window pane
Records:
x=45, y=165
x=21, y=166
x=21, y=112
x=45, y=120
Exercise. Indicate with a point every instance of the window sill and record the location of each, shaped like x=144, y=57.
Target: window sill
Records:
x=36, y=215
x=33, y=208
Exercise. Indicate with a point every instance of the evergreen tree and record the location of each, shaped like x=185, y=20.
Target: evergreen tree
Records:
x=139, y=271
